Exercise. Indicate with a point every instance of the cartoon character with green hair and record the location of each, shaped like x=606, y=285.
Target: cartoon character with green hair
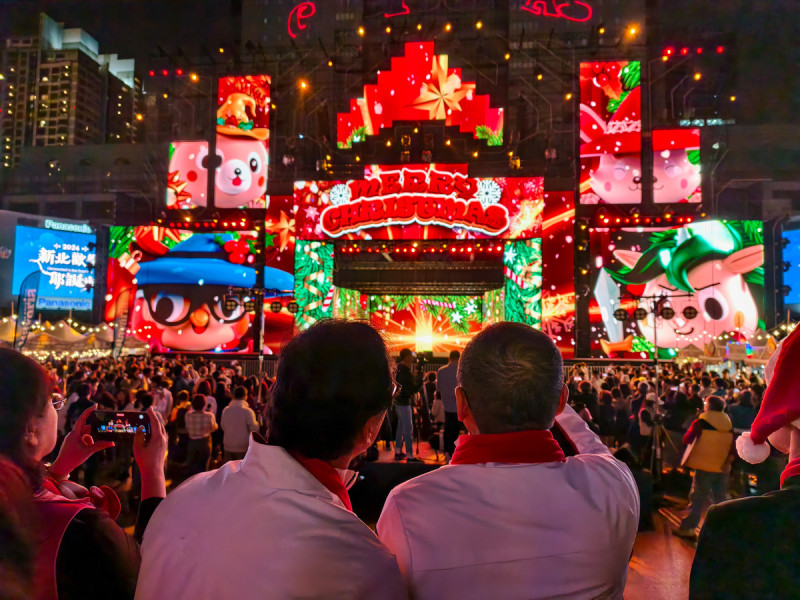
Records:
x=718, y=264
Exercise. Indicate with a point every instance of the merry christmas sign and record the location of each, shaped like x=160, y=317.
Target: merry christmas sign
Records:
x=420, y=202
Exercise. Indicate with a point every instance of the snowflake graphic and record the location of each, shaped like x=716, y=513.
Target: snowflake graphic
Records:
x=510, y=255
x=312, y=212
x=340, y=194
x=470, y=307
x=488, y=192
x=456, y=317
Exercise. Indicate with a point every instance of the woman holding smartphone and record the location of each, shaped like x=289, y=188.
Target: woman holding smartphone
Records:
x=80, y=551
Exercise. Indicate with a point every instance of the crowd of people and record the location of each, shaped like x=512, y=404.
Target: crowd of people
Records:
x=538, y=498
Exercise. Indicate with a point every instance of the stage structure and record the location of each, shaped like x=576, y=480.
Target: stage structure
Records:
x=434, y=245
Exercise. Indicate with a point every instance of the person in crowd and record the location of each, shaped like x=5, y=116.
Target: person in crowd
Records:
x=446, y=386
x=437, y=410
x=645, y=422
x=587, y=396
x=179, y=436
x=510, y=516
x=622, y=413
x=409, y=385
x=237, y=423
x=81, y=403
x=162, y=397
x=707, y=389
x=747, y=547
x=606, y=417
x=712, y=438
x=80, y=552
x=288, y=531
x=17, y=533
x=742, y=412
x=200, y=424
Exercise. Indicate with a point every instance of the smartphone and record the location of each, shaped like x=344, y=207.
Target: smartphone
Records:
x=118, y=425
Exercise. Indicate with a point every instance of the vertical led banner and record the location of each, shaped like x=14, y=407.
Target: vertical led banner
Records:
x=611, y=133
x=676, y=166
x=27, y=308
x=242, y=145
x=558, y=270
x=523, y=292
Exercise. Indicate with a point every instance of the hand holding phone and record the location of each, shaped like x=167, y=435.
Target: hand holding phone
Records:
x=117, y=425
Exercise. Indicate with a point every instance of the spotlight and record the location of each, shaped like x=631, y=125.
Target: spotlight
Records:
x=276, y=306
x=621, y=314
x=667, y=313
x=293, y=307
x=640, y=314
x=690, y=312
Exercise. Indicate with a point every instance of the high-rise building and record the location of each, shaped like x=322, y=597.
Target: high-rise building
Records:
x=56, y=89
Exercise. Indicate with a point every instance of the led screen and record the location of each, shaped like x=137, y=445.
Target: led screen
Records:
x=178, y=282
x=419, y=202
x=709, y=273
x=427, y=323
x=791, y=255
x=242, y=146
x=676, y=166
x=558, y=270
x=63, y=258
x=420, y=86
x=611, y=132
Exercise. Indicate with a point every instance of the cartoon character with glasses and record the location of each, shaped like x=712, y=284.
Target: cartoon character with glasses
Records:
x=713, y=268
x=180, y=301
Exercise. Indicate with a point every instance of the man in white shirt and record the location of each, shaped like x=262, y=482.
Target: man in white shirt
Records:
x=511, y=517
x=238, y=422
x=279, y=524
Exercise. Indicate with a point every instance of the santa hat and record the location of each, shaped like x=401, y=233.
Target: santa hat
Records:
x=781, y=404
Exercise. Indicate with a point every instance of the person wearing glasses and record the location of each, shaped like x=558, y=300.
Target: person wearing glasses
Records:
x=279, y=523
x=80, y=551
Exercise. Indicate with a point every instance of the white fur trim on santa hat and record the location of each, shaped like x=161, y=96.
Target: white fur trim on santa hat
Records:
x=750, y=451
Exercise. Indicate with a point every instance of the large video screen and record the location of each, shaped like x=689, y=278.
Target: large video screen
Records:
x=420, y=86
x=420, y=202
x=65, y=260
x=191, y=291
x=709, y=275
x=791, y=255
x=427, y=323
x=611, y=142
x=242, y=151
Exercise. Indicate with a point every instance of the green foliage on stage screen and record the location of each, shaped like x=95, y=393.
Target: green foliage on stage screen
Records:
x=523, y=291
x=313, y=282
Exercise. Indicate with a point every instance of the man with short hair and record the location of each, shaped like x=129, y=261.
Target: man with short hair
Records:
x=511, y=517
x=238, y=422
x=706, y=390
x=446, y=386
x=279, y=523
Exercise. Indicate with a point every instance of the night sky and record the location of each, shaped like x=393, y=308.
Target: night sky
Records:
x=133, y=28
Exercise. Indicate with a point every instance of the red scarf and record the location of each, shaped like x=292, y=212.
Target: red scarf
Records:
x=791, y=470
x=532, y=446
x=327, y=475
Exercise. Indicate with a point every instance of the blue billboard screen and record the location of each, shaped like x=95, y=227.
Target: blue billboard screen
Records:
x=791, y=254
x=63, y=258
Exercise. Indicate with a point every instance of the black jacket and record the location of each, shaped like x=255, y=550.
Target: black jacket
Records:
x=750, y=548
x=408, y=385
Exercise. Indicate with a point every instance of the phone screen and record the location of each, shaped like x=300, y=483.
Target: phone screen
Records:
x=118, y=425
